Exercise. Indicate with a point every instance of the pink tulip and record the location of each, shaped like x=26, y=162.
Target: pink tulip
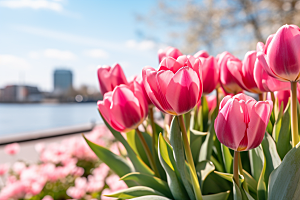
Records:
x=243, y=72
x=282, y=97
x=263, y=80
x=210, y=72
x=227, y=80
x=202, y=54
x=211, y=101
x=242, y=121
x=168, y=52
x=125, y=108
x=12, y=149
x=139, y=80
x=109, y=77
x=3, y=169
x=176, y=87
x=281, y=56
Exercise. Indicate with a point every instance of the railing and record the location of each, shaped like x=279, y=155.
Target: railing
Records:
x=50, y=133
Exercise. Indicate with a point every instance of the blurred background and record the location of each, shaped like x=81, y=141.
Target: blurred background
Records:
x=50, y=49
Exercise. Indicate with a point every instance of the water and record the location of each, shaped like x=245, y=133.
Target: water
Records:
x=20, y=118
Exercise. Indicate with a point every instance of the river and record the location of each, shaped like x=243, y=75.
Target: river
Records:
x=22, y=118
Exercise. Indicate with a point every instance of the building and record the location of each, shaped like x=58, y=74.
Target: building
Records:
x=20, y=93
x=63, y=81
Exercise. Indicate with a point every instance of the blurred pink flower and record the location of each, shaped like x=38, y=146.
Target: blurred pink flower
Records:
x=47, y=198
x=3, y=169
x=12, y=149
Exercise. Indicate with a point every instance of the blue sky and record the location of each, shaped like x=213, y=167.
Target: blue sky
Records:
x=38, y=36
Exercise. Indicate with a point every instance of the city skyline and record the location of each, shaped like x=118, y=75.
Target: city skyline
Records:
x=38, y=39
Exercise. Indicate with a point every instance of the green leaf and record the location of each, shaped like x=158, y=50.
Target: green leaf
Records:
x=137, y=162
x=239, y=193
x=256, y=161
x=151, y=197
x=176, y=142
x=218, y=196
x=203, y=169
x=278, y=120
x=228, y=177
x=284, y=137
x=205, y=113
x=262, y=186
x=149, y=181
x=272, y=158
x=116, y=163
x=167, y=161
x=284, y=180
x=206, y=147
x=136, y=144
x=251, y=182
x=215, y=184
x=227, y=158
x=132, y=192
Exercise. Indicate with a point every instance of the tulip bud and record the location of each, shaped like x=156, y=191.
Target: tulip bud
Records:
x=210, y=72
x=282, y=97
x=109, y=77
x=227, y=80
x=202, y=54
x=168, y=52
x=125, y=108
x=176, y=87
x=242, y=121
x=281, y=54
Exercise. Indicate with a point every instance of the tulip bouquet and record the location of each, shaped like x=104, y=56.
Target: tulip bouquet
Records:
x=191, y=130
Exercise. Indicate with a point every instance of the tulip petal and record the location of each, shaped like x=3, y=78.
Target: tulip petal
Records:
x=125, y=107
x=226, y=122
x=183, y=90
x=118, y=76
x=259, y=115
x=104, y=79
x=210, y=74
x=169, y=63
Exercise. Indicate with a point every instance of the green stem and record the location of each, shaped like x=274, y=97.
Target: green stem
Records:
x=242, y=173
x=187, y=118
x=294, y=120
x=236, y=167
x=195, y=183
x=148, y=152
x=154, y=135
x=273, y=98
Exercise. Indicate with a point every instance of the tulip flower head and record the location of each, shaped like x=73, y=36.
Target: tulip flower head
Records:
x=242, y=121
x=176, y=87
x=281, y=57
x=125, y=108
x=12, y=149
x=168, y=52
x=109, y=77
x=227, y=80
x=139, y=80
x=210, y=71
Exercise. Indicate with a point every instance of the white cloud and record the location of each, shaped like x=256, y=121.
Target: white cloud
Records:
x=11, y=61
x=124, y=64
x=34, y=54
x=58, y=54
x=143, y=45
x=33, y=4
x=97, y=53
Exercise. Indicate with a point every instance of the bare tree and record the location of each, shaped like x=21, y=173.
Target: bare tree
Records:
x=219, y=25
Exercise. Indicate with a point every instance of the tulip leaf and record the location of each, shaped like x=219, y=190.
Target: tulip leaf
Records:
x=278, y=120
x=204, y=114
x=239, y=193
x=227, y=158
x=206, y=147
x=251, y=182
x=132, y=192
x=116, y=163
x=166, y=158
x=151, y=197
x=256, y=161
x=215, y=184
x=218, y=196
x=284, y=136
x=203, y=169
x=137, y=162
x=136, y=144
x=149, y=181
x=176, y=142
x=195, y=148
x=271, y=156
x=284, y=180
x=261, y=185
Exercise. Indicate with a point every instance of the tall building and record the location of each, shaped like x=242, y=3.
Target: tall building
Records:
x=20, y=93
x=63, y=80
